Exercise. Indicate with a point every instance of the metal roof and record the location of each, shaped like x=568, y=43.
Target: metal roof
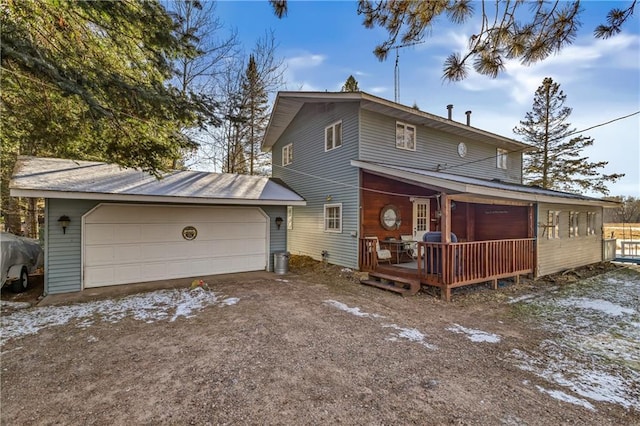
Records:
x=59, y=178
x=480, y=188
x=288, y=104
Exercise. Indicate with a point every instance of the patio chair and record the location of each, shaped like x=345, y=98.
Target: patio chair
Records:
x=411, y=246
x=384, y=255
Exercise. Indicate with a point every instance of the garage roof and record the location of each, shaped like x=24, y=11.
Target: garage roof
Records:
x=71, y=179
x=479, y=190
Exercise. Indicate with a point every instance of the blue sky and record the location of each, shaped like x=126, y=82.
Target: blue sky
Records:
x=322, y=43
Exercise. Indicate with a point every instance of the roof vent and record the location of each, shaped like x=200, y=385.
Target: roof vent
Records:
x=449, y=110
x=468, y=117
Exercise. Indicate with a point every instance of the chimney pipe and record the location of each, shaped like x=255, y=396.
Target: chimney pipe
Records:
x=468, y=118
x=449, y=108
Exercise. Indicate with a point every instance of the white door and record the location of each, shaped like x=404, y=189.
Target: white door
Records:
x=421, y=218
x=132, y=243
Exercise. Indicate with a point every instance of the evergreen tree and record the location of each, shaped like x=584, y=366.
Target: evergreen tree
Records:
x=90, y=80
x=557, y=162
x=529, y=31
x=256, y=107
x=351, y=85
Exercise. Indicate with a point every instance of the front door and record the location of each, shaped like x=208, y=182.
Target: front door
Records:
x=421, y=219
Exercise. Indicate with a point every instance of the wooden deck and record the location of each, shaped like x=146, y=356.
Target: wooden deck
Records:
x=451, y=265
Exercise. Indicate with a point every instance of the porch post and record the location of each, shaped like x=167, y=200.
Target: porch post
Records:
x=445, y=218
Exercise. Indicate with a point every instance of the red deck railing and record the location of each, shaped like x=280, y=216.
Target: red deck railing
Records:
x=455, y=264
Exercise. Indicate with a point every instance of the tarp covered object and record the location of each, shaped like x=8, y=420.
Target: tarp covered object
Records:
x=15, y=250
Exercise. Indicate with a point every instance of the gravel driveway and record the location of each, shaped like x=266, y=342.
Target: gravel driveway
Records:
x=311, y=347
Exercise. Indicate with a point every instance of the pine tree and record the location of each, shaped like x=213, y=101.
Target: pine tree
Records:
x=351, y=85
x=557, y=162
x=528, y=31
x=256, y=107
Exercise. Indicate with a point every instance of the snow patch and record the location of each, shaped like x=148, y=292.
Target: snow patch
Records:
x=410, y=334
x=477, y=336
x=147, y=307
x=567, y=398
x=601, y=305
x=520, y=298
x=353, y=311
x=14, y=305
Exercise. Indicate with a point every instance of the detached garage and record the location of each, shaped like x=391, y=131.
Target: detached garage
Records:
x=124, y=226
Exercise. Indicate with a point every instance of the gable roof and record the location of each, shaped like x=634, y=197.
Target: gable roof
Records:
x=71, y=179
x=479, y=190
x=288, y=104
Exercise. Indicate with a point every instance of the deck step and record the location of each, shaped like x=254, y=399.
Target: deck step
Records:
x=402, y=285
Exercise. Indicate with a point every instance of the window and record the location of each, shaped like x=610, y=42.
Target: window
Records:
x=289, y=217
x=333, y=217
x=405, y=136
x=573, y=224
x=333, y=136
x=287, y=154
x=501, y=158
x=591, y=223
x=553, y=224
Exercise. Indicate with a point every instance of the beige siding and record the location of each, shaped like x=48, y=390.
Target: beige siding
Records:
x=560, y=254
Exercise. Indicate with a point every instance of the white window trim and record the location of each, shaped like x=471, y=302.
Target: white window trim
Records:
x=289, y=217
x=287, y=154
x=591, y=223
x=333, y=132
x=415, y=136
x=501, y=158
x=325, y=225
x=553, y=224
x=573, y=224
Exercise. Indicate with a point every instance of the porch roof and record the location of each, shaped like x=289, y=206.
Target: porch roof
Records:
x=288, y=104
x=89, y=180
x=464, y=188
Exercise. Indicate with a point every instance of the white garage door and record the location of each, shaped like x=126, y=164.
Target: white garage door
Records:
x=131, y=243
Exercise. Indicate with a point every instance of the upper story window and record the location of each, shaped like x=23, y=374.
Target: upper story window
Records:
x=573, y=224
x=501, y=158
x=333, y=136
x=287, y=154
x=553, y=224
x=405, y=136
x=591, y=223
x=333, y=217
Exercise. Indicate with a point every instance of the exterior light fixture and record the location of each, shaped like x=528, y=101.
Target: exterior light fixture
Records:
x=278, y=221
x=64, y=223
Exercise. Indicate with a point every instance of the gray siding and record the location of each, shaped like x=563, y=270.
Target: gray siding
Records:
x=433, y=148
x=63, y=267
x=63, y=252
x=277, y=237
x=317, y=175
x=560, y=254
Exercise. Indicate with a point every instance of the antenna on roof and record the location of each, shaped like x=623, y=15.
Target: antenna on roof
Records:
x=396, y=71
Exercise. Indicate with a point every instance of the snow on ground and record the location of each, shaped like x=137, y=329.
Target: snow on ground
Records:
x=149, y=307
x=566, y=398
x=597, y=352
x=353, y=311
x=410, y=334
x=476, y=336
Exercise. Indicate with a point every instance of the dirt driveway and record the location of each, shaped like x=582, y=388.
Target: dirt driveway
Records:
x=312, y=347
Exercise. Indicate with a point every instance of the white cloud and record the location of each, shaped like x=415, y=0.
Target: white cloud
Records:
x=376, y=90
x=307, y=60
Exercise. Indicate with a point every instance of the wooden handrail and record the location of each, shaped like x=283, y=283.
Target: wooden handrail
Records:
x=454, y=263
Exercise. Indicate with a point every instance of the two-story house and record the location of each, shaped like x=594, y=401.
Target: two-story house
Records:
x=377, y=176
